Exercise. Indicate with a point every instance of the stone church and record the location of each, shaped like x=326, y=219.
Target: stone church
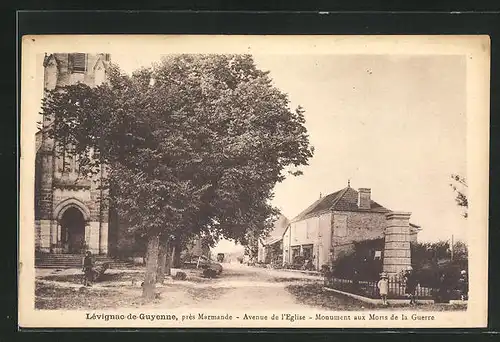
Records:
x=71, y=212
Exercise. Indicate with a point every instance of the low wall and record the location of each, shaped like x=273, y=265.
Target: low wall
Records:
x=378, y=301
x=397, y=290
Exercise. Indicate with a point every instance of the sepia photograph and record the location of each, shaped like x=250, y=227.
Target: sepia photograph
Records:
x=230, y=181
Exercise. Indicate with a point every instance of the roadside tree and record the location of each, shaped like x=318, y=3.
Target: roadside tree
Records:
x=192, y=146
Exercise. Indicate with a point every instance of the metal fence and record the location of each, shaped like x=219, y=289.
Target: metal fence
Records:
x=366, y=288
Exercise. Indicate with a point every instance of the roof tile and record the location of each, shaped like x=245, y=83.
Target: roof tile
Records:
x=342, y=200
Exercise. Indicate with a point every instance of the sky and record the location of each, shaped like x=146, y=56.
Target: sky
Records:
x=395, y=124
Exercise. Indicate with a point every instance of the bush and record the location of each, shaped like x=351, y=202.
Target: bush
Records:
x=431, y=260
x=345, y=266
x=423, y=254
x=299, y=260
x=180, y=276
x=209, y=273
x=325, y=269
x=430, y=276
x=277, y=266
x=308, y=266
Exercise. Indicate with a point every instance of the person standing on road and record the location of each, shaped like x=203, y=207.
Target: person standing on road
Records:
x=88, y=269
x=411, y=285
x=463, y=283
x=383, y=287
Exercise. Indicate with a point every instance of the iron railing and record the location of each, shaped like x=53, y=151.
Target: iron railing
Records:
x=367, y=288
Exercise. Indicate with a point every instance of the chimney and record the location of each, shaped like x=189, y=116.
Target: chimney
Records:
x=364, y=199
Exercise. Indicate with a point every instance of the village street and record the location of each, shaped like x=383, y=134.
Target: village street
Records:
x=244, y=288
x=239, y=287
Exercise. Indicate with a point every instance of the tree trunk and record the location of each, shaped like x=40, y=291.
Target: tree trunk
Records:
x=162, y=262
x=171, y=257
x=148, y=288
x=168, y=263
x=177, y=255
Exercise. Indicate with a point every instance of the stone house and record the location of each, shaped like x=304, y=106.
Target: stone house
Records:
x=331, y=225
x=71, y=212
x=271, y=247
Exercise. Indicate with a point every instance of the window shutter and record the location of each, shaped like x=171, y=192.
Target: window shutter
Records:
x=78, y=62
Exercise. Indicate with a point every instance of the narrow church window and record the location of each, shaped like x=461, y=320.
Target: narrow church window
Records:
x=77, y=159
x=62, y=159
x=69, y=164
x=78, y=62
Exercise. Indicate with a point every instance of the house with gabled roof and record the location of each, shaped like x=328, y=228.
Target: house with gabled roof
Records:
x=331, y=225
x=270, y=247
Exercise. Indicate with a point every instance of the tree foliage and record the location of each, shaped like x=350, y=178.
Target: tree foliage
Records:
x=424, y=254
x=192, y=146
x=459, y=186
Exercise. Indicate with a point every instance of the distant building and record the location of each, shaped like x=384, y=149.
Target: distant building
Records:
x=232, y=251
x=270, y=249
x=331, y=225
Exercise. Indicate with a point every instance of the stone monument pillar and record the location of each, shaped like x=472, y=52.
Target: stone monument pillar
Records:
x=397, y=253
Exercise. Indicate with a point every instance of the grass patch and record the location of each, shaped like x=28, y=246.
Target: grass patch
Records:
x=314, y=295
x=106, y=277
x=50, y=297
x=192, y=275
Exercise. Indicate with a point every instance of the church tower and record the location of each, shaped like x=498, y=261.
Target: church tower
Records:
x=71, y=212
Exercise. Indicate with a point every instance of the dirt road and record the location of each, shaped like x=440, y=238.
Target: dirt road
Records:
x=239, y=287
x=244, y=288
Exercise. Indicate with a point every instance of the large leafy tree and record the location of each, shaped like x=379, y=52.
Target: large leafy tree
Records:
x=192, y=146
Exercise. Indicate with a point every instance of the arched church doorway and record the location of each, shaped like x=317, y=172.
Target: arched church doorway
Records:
x=73, y=230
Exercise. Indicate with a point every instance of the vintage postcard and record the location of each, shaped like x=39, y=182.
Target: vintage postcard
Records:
x=254, y=181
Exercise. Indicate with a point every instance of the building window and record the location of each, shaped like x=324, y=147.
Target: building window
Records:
x=78, y=62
